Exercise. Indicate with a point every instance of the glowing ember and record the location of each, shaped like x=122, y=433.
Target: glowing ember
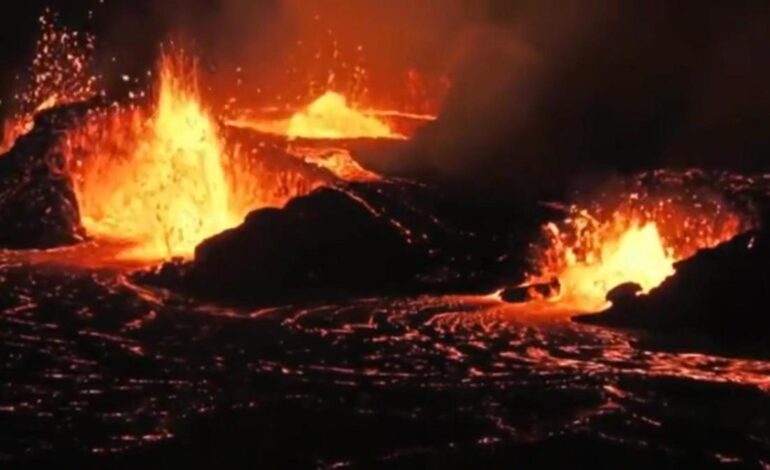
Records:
x=13, y=129
x=59, y=74
x=157, y=181
x=639, y=242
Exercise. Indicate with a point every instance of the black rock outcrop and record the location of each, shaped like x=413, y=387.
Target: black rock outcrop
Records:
x=720, y=295
x=326, y=242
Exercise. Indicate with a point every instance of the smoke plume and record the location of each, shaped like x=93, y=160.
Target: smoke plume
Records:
x=548, y=90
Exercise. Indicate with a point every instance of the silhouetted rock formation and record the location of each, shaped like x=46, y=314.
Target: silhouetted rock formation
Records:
x=719, y=295
x=624, y=293
x=389, y=237
x=38, y=208
x=326, y=241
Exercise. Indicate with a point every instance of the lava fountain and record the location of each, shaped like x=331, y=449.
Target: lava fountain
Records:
x=625, y=252
x=638, y=241
x=156, y=179
x=318, y=133
x=331, y=117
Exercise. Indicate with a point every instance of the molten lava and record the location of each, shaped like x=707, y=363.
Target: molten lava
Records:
x=638, y=242
x=155, y=179
x=169, y=191
x=337, y=160
x=163, y=179
x=331, y=117
x=637, y=255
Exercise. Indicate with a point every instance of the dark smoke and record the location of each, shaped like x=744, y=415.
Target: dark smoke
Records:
x=551, y=89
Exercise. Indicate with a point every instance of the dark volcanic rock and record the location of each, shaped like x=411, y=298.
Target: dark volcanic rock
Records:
x=391, y=236
x=720, y=294
x=624, y=293
x=38, y=208
x=326, y=243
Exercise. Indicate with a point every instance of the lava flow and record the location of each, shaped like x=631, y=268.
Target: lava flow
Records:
x=637, y=242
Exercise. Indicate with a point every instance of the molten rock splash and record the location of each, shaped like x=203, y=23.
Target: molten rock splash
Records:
x=161, y=179
x=636, y=237
x=331, y=117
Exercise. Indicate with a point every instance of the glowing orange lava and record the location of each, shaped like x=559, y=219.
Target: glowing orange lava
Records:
x=332, y=117
x=161, y=179
x=168, y=192
x=636, y=255
x=590, y=257
x=155, y=179
x=338, y=161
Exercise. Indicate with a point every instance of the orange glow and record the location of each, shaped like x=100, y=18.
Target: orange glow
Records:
x=331, y=117
x=316, y=132
x=163, y=179
x=637, y=243
x=636, y=255
x=155, y=179
x=13, y=128
x=169, y=192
